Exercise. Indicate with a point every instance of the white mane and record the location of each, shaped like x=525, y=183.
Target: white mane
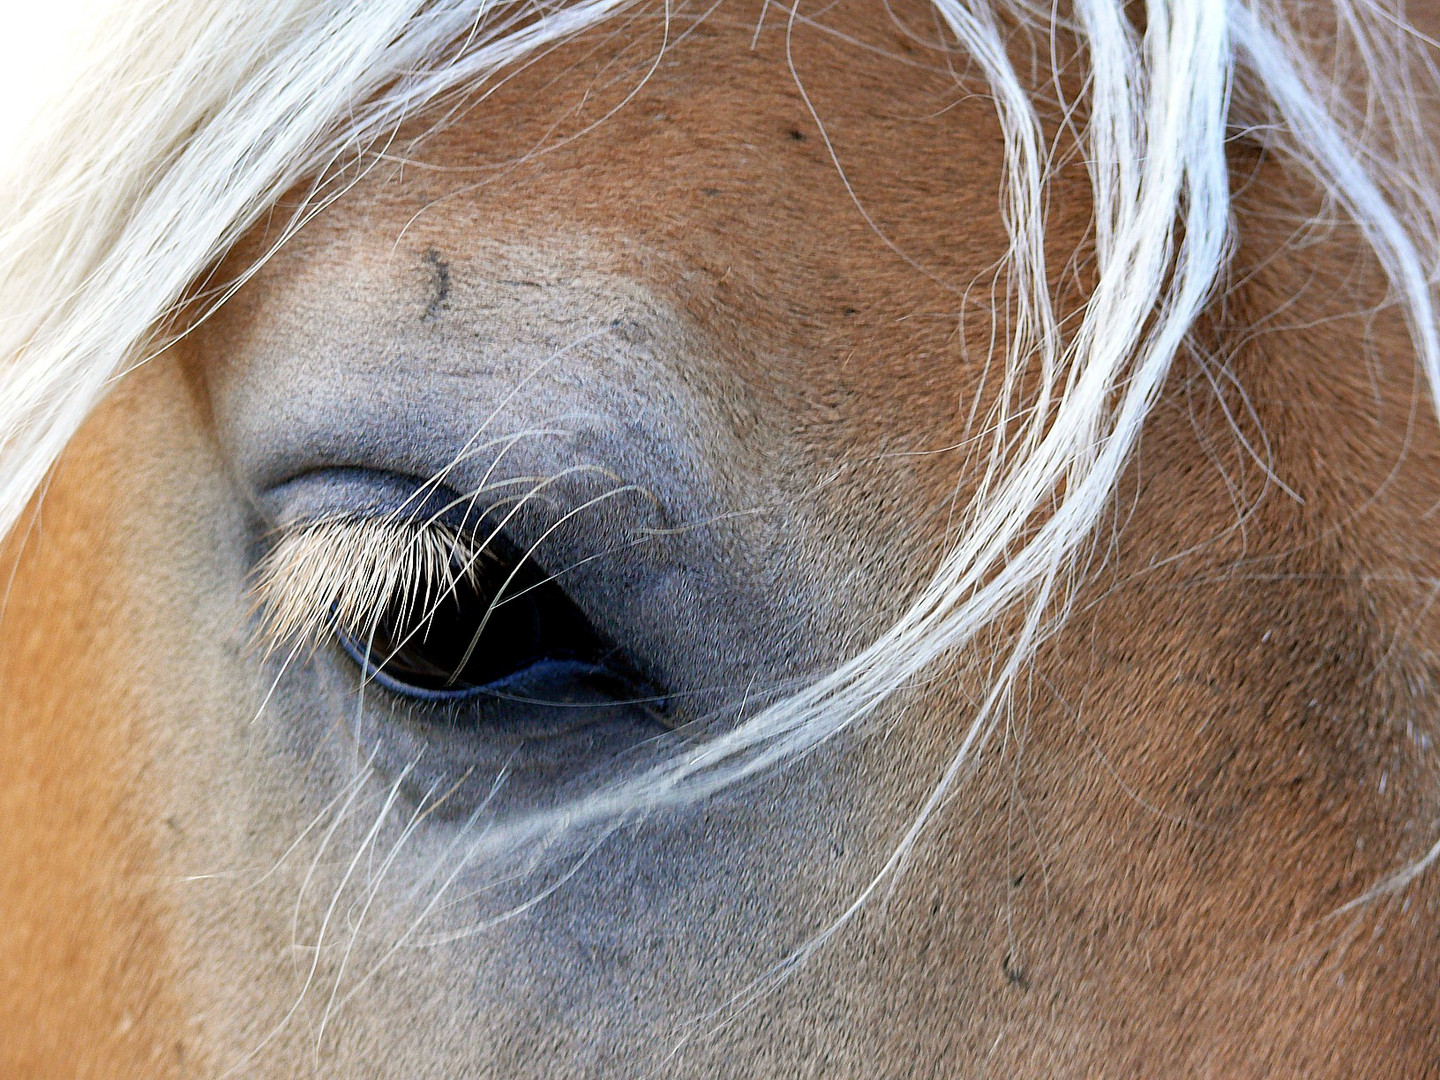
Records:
x=198, y=116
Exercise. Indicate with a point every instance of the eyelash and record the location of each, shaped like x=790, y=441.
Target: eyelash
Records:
x=430, y=614
x=343, y=573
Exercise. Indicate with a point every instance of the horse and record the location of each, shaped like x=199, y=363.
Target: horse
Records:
x=619, y=538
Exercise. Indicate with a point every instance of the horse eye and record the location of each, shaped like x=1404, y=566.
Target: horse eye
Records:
x=500, y=619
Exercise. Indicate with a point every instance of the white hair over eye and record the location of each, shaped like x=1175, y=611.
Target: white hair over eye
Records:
x=195, y=116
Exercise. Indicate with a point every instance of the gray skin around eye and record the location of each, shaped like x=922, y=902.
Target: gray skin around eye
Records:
x=439, y=920
x=558, y=396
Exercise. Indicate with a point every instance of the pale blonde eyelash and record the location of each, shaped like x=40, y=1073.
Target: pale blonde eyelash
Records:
x=345, y=572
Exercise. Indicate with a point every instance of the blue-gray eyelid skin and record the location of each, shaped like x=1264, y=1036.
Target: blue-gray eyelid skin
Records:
x=364, y=493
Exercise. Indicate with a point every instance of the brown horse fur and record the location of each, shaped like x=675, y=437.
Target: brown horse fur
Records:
x=1155, y=869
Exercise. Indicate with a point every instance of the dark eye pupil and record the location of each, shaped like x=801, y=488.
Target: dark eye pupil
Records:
x=502, y=620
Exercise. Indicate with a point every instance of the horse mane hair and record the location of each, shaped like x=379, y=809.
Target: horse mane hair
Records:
x=196, y=116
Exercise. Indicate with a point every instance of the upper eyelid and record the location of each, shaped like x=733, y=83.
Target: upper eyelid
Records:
x=411, y=498
x=437, y=481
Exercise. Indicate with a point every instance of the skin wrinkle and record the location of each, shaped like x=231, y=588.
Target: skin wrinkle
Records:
x=1140, y=879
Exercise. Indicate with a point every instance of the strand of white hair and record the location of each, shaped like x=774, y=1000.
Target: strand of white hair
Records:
x=197, y=118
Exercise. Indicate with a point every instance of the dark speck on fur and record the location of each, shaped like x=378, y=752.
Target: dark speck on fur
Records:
x=439, y=285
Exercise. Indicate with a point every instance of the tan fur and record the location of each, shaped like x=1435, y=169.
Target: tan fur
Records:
x=86, y=985
x=1147, y=876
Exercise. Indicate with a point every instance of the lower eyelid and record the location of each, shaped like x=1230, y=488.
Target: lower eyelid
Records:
x=375, y=672
x=527, y=704
x=516, y=687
